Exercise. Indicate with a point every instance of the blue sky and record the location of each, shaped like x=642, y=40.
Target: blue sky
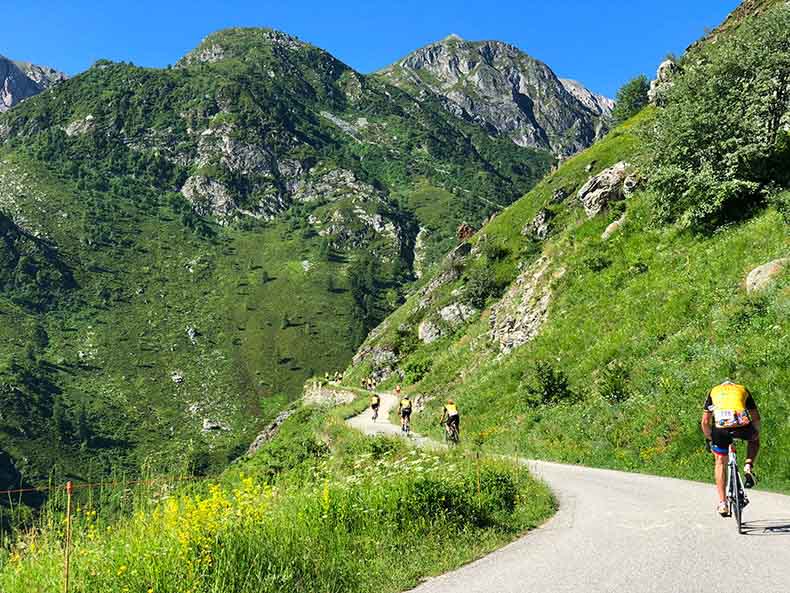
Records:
x=601, y=43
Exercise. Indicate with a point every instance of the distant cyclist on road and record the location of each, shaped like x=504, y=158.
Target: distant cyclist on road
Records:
x=730, y=412
x=375, y=402
x=451, y=420
x=404, y=410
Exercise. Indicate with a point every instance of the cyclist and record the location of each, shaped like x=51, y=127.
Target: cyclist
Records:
x=731, y=413
x=375, y=402
x=451, y=419
x=404, y=410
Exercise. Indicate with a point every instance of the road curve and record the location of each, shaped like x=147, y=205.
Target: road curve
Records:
x=617, y=532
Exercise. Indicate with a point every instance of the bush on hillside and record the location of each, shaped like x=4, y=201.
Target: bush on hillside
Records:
x=415, y=369
x=480, y=285
x=630, y=99
x=718, y=146
x=547, y=385
x=613, y=383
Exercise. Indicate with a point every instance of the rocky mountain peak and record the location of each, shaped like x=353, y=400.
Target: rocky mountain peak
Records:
x=452, y=37
x=239, y=42
x=507, y=91
x=20, y=80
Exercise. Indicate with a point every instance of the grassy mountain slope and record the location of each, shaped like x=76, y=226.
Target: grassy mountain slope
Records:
x=185, y=246
x=601, y=351
x=319, y=508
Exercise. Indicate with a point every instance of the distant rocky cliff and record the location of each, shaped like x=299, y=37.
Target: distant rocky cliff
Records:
x=20, y=80
x=508, y=92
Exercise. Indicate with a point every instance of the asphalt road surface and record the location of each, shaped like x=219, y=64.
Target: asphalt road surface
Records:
x=617, y=532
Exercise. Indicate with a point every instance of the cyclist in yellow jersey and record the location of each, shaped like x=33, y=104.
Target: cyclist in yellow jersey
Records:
x=404, y=409
x=451, y=418
x=375, y=402
x=730, y=412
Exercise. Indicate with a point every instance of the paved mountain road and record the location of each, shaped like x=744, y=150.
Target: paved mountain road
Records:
x=617, y=532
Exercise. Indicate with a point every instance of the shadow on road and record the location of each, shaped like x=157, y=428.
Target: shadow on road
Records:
x=767, y=527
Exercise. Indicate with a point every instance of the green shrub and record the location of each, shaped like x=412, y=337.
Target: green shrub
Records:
x=495, y=250
x=718, y=144
x=414, y=370
x=547, y=385
x=631, y=99
x=596, y=262
x=613, y=383
x=480, y=285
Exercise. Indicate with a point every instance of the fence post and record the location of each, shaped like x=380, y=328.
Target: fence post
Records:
x=67, y=550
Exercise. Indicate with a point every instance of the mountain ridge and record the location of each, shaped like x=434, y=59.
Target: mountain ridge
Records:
x=21, y=80
x=506, y=90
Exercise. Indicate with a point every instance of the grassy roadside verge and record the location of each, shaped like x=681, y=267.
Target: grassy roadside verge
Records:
x=320, y=508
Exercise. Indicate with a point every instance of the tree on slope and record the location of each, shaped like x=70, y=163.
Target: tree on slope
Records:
x=721, y=143
x=631, y=99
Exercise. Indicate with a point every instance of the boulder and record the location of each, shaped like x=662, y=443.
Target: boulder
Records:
x=457, y=314
x=762, y=276
x=602, y=189
x=210, y=425
x=560, y=194
x=663, y=82
x=428, y=332
x=613, y=228
x=540, y=226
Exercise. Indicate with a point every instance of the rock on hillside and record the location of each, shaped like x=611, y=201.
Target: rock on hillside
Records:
x=20, y=80
x=505, y=90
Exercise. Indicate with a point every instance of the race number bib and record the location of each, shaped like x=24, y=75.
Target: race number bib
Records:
x=731, y=418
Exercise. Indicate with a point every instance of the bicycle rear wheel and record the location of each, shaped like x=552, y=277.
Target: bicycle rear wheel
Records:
x=737, y=500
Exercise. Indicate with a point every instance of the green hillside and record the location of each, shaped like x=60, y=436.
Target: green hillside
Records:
x=183, y=247
x=319, y=508
x=600, y=351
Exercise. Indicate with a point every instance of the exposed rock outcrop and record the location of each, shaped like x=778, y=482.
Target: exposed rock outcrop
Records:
x=268, y=433
x=540, y=226
x=456, y=314
x=21, y=80
x=506, y=91
x=603, y=189
x=317, y=394
x=667, y=70
x=208, y=196
x=428, y=332
x=518, y=317
x=763, y=276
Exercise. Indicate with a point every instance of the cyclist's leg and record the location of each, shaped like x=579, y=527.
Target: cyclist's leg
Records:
x=721, y=440
x=752, y=438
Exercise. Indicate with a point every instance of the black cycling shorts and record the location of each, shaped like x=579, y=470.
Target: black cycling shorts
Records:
x=405, y=412
x=722, y=438
x=374, y=406
x=454, y=420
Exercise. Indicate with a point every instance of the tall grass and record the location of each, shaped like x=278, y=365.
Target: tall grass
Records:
x=372, y=515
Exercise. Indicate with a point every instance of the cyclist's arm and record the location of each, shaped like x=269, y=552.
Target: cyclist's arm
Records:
x=706, y=424
x=754, y=413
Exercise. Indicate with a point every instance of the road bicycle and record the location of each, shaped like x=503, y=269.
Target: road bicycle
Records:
x=451, y=433
x=406, y=425
x=736, y=496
